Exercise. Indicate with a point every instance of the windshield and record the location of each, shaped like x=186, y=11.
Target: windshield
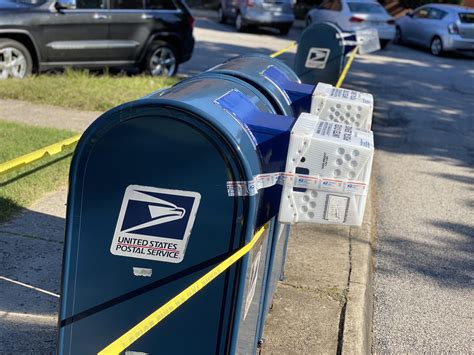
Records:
x=366, y=8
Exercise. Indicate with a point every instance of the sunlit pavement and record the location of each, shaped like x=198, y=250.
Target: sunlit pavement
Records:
x=424, y=163
x=216, y=42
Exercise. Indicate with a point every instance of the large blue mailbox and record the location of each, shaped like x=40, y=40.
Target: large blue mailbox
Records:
x=149, y=212
x=290, y=97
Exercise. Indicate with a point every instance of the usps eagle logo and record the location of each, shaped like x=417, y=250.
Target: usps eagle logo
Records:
x=317, y=58
x=155, y=223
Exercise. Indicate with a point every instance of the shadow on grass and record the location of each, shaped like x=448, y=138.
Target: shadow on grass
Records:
x=8, y=208
x=36, y=169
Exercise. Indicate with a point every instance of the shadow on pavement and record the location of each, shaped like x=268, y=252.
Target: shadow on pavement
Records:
x=430, y=259
x=424, y=108
x=30, y=252
x=423, y=104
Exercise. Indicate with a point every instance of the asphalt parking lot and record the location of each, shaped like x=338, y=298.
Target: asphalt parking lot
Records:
x=216, y=42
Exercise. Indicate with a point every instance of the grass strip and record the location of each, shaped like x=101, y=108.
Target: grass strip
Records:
x=81, y=89
x=21, y=187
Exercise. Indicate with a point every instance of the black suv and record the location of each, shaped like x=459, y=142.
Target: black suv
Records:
x=36, y=35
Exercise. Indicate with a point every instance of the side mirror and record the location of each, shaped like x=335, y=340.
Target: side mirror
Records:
x=60, y=5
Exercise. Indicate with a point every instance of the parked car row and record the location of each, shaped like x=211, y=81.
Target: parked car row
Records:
x=255, y=13
x=157, y=35
x=439, y=27
x=36, y=35
x=352, y=15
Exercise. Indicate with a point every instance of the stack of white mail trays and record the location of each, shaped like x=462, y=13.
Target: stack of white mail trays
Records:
x=329, y=159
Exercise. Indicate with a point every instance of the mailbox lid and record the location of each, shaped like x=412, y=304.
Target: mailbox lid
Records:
x=204, y=91
x=255, y=70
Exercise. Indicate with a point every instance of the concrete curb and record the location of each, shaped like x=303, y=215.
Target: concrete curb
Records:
x=324, y=305
x=357, y=334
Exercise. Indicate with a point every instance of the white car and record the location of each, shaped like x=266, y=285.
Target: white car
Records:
x=351, y=15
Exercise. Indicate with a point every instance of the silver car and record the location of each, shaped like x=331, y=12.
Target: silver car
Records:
x=352, y=15
x=253, y=13
x=440, y=27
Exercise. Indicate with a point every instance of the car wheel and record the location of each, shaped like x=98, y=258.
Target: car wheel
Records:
x=384, y=43
x=221, y=15
x=239, y=23
x=398, y=36
x=161, y=60
x=284, y=30
x=15, y=60
x=436, y=46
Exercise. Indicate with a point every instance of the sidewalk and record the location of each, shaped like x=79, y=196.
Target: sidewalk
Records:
x=46, y=116
x=323, y=305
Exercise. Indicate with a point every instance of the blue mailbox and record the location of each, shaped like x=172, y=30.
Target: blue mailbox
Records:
x=149, y=212
x=320, y=54
x=274, y=79
x=281, y=86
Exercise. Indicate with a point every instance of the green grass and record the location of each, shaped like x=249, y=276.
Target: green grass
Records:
x=81, y=89
x=20, y=188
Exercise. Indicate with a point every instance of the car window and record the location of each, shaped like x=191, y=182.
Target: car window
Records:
x=436, y=14
x=421, y=13
x=160, y=5
x=366, y=8
x=334, y=5
x=126, y=4
x=31, y=2
x=90, y=4
x=467, y=17
x=326, y=5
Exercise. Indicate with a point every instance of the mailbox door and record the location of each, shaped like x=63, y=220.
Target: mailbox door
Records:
x=103, y=294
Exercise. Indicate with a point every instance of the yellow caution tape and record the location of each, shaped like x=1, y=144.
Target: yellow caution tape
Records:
x=38, y=154
x=157, y=316
x=286, y=49
x=347, y=67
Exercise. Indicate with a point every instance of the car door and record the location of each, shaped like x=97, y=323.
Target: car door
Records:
x=76, y=35
x=129, y=30
x=134, y=21
x=228, y=5
x=432, y=25
x=415, y=24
